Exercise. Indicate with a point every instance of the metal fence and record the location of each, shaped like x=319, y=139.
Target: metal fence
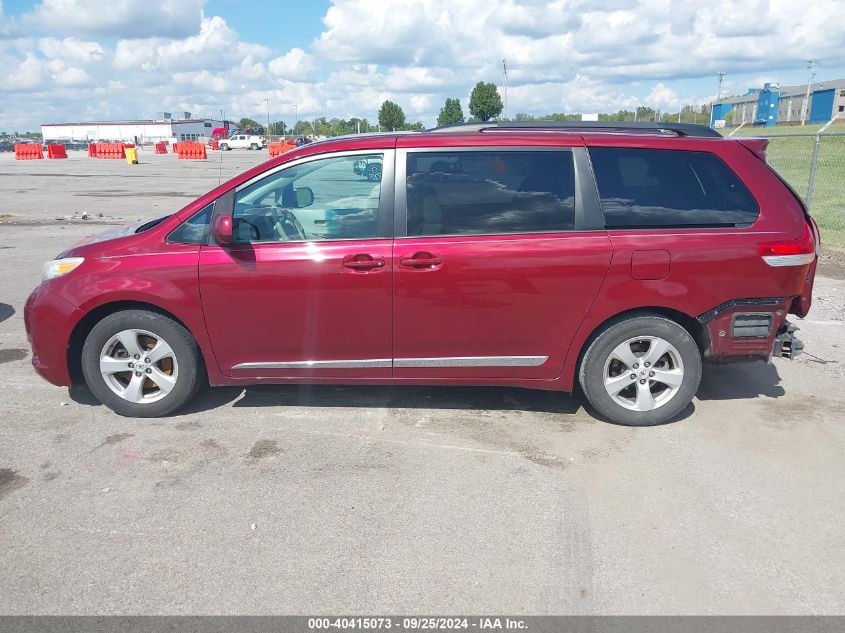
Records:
x=814, y=165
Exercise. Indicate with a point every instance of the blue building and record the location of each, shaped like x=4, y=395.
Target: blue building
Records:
x=773, y=104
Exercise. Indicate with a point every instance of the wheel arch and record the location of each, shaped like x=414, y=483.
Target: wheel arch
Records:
x=84, y=326
x=695, y=329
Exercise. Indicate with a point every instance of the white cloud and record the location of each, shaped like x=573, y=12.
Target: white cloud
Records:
x=71, y=49
x=216, y=46
x=296, y=64
x=77, y=58
x=119, y=18
x=663, y=96
x=29, y=74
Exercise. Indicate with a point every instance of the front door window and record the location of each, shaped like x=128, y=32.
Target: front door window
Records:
x=327, y=199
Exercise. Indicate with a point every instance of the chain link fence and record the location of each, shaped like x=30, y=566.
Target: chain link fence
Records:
x=814, y=165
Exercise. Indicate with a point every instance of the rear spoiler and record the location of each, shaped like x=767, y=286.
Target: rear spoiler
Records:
x=756, y=145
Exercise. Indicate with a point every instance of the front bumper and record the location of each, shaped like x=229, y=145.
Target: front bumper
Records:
x=49, y=322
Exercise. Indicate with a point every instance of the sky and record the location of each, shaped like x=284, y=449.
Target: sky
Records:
x=84, y=60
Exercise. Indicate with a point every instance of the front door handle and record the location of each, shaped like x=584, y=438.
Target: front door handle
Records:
x=363, y=262
x=421, y=260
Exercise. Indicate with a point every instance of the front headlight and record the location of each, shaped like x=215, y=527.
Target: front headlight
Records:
x=59, y=267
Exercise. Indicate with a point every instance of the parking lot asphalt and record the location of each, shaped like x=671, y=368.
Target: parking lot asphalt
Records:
x=285, y=499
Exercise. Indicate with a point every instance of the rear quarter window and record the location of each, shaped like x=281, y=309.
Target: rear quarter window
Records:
x=642, y=188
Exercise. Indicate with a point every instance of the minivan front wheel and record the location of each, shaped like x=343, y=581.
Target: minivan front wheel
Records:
x=141, y=363
x=641, y=371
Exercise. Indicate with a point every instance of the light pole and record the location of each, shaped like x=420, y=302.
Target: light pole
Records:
x=295, y=116
x=505, y=72
x=267, y=103
x=811, y=66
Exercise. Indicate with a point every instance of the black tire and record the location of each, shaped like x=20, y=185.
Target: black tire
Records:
x=596, y=362
x=254, y=146
x=191, y=369
x=224, y=147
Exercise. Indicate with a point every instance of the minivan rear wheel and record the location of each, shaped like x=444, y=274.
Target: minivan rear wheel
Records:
x=641, y=371
x=142, y=364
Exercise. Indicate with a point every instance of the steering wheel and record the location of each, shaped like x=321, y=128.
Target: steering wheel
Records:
x=288, y=225
x=255, y=234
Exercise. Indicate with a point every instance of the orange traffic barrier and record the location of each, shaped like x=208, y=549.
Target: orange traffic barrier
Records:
x=107, y=150
x=214, y=143
x=175, y=148
x=92, y=150
x=277, y=149
x=161, y=148
x=28, y=151
x=191, y=150
x=56, y=151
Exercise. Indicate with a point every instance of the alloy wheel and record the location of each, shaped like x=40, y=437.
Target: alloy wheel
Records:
x=643, y=373
x=139, y=366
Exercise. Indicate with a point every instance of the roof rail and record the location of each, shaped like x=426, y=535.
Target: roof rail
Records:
x=681, y=129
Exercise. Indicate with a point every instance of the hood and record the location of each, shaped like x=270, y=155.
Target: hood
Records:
x=120, y=231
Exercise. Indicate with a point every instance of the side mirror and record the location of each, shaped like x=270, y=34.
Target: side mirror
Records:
x=304, y=197
x=221, y=229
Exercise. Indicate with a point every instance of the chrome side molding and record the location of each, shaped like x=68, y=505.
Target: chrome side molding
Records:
x=439, y=361
x=472, y=361
x=319, y=364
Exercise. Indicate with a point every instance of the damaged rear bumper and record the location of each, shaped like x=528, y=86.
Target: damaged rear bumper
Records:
x=786, y=344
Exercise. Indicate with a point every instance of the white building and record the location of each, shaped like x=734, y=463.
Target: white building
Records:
x=165, y=129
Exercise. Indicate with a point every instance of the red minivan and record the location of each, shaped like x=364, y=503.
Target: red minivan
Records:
x=616, y=257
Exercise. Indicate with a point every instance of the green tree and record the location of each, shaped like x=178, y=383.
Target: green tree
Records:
x=391, y=117
x=302, y=127
x=245, y=123
x=451, y=113
x=485, y=102
x=277, y=128
x=645, y=114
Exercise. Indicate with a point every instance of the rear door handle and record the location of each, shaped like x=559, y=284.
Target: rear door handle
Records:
x=421, y=260
x=363, y=262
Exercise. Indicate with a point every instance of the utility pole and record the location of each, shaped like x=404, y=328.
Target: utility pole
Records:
x=720, y=77
x=267, y=103
x=295, y=116
x=811, y=66
x=505, y=73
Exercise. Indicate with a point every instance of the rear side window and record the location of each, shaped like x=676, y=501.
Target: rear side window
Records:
x=489, y=192
x=669, y=188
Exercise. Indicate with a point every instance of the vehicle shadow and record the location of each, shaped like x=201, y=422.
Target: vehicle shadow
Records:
x=740, y=381
x=384, y=397
x=5, y=311
x=387, y=397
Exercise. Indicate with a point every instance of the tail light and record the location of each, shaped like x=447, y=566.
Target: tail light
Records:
x=792, y=253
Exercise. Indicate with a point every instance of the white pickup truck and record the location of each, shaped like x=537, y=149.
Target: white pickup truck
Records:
x=243, y=141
